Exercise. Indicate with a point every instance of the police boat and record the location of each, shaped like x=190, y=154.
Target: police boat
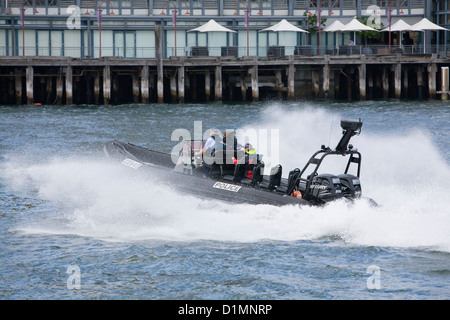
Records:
x=228, y=172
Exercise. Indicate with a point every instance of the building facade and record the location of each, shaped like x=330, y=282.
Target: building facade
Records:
x=125, y=28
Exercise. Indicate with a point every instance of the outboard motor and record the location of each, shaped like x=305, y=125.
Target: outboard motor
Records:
x=350, y=185
x=325, y=187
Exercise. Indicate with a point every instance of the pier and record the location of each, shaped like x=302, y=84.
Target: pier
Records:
x=117, y=52
x=114, y=80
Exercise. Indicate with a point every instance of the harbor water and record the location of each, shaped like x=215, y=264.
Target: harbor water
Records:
x=74, y=225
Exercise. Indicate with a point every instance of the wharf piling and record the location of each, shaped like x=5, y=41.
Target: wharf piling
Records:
x=111, y=80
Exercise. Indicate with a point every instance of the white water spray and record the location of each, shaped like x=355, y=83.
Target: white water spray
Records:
x=101, y=199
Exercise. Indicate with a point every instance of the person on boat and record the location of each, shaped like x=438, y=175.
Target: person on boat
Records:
x=230, y=146
x=350, y=43
x=210, y=144
x=232, y=142
x=209, y=148
x=251, y=159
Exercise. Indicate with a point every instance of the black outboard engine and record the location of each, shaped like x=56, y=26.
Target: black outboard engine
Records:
x=322, y=188
x=325, y=187
x=350, y=186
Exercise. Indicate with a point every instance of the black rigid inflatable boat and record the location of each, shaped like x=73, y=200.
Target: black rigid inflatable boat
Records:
x=227, y=182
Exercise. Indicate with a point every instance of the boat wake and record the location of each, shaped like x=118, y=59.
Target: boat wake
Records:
x=99, y=199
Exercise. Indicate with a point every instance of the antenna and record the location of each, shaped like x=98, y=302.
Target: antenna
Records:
x=331, y=127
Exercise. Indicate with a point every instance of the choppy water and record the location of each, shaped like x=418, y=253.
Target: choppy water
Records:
x=69, y=217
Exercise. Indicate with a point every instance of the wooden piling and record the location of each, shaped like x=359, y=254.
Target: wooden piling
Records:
x=218, y=84
x=69, y=93
x=405, y=84
x=173, y=87
x=207, y=85
x=278, y=83
x=151, y=85
x=315, y=82
x=398, y=80
x=29, y=84
x=18, y=86
x=385, y=82
x=181, y=84
x=444, y=83
x=97, y=88
x=59, y=89
x=115, y=94
x=145, y=84
x=106, y=84
x=135, y=83
x=255, y=86
x=326, y=80
x=432, y=70
x=420, y=82
x=362, y=81
x=159, y=64
x=291, y=81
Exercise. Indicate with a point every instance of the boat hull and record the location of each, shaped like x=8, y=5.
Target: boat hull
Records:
x=159, y=167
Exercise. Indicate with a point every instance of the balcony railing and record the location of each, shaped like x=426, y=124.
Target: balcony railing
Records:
x=273, y=52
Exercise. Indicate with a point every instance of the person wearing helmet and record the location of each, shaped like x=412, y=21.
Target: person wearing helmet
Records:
x=251, y=159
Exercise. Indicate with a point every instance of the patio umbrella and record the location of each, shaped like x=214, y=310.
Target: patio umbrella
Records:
x=283, y=26
x=399, y=26
x=211, y=26
x=426, y=25
x=356, y=25
x=336, y=26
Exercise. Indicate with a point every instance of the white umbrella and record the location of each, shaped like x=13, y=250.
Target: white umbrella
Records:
x=283, y=25
x=356, y=25
x=336, y=26
x=399, y=26
x=426, y=25
x=211, y=26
